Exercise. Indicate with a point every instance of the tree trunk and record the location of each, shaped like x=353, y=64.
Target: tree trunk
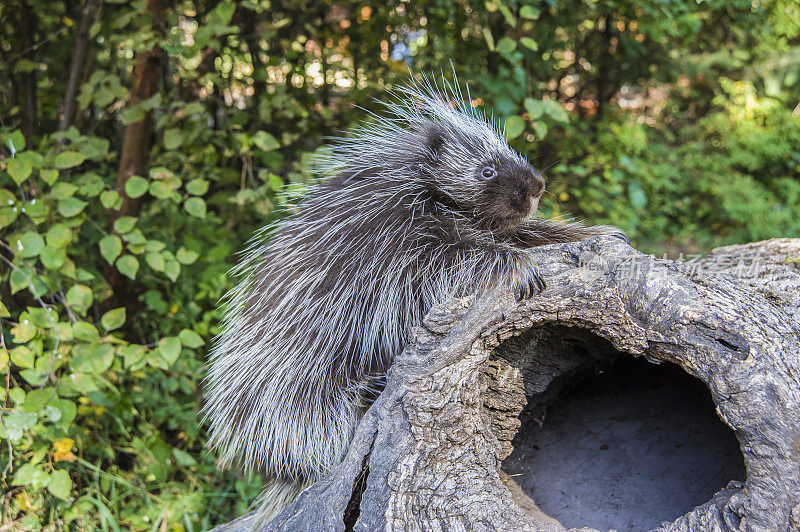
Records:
x=134, y=159
x=428, y=455
x=135, y=156
x=30, y=106
x=77, y=63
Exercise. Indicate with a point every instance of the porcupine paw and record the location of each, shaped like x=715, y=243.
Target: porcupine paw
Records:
x=530, y=283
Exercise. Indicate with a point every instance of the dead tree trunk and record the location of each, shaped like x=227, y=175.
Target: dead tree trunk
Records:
x=429, y=453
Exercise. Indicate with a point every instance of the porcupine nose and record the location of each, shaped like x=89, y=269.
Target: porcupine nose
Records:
x=537, y=187
x=536, y=191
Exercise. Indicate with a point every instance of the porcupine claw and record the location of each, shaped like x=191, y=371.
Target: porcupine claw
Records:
x=531, y=284
x=610, y=230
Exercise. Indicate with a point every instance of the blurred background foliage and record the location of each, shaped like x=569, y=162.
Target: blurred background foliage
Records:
x=143, y=141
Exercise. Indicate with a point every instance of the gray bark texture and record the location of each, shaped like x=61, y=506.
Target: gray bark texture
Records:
x=428, y=453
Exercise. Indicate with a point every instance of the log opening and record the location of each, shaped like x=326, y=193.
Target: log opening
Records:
x=623, y=445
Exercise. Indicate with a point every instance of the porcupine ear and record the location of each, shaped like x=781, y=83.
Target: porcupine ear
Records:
x=434, y=141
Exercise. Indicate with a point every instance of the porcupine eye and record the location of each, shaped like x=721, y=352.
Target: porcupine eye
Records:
x=488, y=173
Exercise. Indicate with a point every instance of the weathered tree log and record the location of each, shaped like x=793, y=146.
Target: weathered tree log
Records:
x=428, y=453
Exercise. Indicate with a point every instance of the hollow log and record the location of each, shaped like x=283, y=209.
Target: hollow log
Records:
x=429, y=454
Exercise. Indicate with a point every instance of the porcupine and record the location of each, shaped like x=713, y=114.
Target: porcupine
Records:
x=426, y=203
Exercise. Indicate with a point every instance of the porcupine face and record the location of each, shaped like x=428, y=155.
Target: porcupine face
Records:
x=483, y=176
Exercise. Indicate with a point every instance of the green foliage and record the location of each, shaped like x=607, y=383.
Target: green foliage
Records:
x=675, y=120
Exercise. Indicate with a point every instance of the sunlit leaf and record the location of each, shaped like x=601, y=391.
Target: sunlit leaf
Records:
x=113, y=319
x=68, y=159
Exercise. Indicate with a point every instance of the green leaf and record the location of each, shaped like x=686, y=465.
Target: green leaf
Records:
x=92, y=358
x=172, y=139
x=515, y=125
x=196, y=207
x=96, y=148
x=63, y=191
x=487, y=35
x=23, y=357
x=85, y=331
x=17, y=395
x=59, y=235
x=189, y=338
x=224, y=12
x=197, y=187
x=170, y=349
x=80, y=382
x=68, y=159
x=530, y=12
x=534, y=107
x=68, y=411
x=132, y=354
x=40, y=317
x=507, y=15
x=529, y=43
x=49, y=176
x=29, y=244
x=135, y=239
x=60, y=484
x=109, y=199
x=15, y=424
x=265, y=141
x=539, y=130
x=136, y=186
x=113, y=319
x=24, y=331
x=124, y=224
x=506, y=45
x=556, y=112
x=186, y=256
x=160, y=190
x=4, y=313
x=40, y=480
x=24, y=277
x=183, y=458
x=155, y=261
x=128, y=266
x=37, y=211
x=79, y=297
x=172, y=269
x=154, y=246
x=110, y=248
x=24, y=475
x=53, y=258
x=70, y=207
x=19, y=169
x=17, y=139
x=7, y=216
x=275, y=182
x=34, y=377
x=37, y=399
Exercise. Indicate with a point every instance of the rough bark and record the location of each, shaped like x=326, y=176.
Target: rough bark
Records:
x=428, y=453
x=135, y=156
x=77, y=62
x=138, y=135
